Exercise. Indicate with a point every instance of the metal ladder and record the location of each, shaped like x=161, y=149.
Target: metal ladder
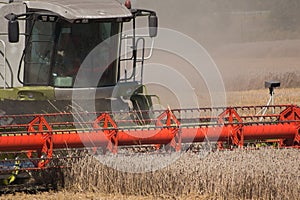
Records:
x=3, y=76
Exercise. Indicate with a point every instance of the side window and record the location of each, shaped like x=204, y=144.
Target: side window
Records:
x=38, y=55
x=105, y=30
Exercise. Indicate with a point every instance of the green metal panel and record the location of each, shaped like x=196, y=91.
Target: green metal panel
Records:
x=28, y=93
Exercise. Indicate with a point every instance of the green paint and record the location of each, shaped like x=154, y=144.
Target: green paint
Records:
x=28, y=93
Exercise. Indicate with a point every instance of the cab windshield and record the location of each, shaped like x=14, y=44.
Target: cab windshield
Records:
x=61, y=52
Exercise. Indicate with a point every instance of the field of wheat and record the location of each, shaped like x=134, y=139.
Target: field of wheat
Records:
x=239, y=174
x=264, y=173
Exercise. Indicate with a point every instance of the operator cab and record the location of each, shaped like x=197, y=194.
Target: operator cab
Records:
x=73, y=51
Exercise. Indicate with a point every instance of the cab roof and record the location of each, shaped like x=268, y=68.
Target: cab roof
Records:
x=82, y=9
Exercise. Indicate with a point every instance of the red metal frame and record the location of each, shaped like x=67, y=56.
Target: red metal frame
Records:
x=169, y=129
x=110, y=134
x=40, y=127
x=172, y=127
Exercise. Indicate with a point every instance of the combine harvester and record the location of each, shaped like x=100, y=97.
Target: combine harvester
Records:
x=37, y=126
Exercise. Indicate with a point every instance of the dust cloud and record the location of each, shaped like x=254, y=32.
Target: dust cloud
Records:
x=250, y=41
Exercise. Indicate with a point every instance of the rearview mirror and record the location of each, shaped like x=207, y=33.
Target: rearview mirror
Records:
x=13, y=31
x=153, y=23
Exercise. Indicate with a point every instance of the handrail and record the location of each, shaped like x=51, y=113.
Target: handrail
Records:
x=4, y=64
x=141, y=60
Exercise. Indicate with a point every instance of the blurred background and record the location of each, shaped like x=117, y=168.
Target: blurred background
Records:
x=251, y=41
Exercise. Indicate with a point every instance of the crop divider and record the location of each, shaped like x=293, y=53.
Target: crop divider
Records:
x=40, y=126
